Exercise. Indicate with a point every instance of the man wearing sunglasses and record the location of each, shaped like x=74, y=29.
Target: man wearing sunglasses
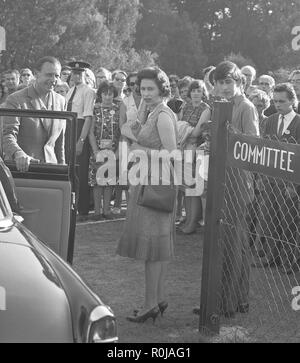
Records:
x=128, y=113
x=119, y=81
x=267, y=83
x=129, y=106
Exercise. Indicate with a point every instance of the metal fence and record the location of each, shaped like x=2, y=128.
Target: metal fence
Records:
x=251, y=268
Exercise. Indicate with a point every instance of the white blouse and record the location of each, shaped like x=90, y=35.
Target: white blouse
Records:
x=131, y=109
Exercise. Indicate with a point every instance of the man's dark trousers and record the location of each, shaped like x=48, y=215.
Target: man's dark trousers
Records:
x=83, y=172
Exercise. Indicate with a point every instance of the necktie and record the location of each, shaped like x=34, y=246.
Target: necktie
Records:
x=280, y=129
x=69, y=107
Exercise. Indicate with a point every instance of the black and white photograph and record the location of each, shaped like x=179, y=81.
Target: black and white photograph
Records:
x=149, y=174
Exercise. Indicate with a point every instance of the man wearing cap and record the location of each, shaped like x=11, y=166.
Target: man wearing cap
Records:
x=28, y=138
x=81, y=99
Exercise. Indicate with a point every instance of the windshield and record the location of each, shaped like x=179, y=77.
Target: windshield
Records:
x=5, y=210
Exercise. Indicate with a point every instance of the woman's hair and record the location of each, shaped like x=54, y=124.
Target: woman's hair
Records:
x=12, y=71
x=90, y=78
x=251, y=69
x=227, y=69
x=210, y=72
x=66, y=68
x=106, y=87
x=28, y=70
x=117, y=71
x=207, y=70
x=158, y=76
x=244, y=81
x=173, y=77
x=130, y=75
x=198, y=83
x=270, y=79
x=104, y=71
x=184, y=82
x=261, y=96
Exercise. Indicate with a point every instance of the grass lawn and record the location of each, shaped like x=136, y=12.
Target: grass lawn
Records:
x=120, y=283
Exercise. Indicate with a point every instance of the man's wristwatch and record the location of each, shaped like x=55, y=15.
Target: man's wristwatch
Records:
x=81, y=139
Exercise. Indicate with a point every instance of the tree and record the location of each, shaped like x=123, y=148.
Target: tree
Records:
x=239, y=60
x=71, y=29
x=121, y=19
x=258, y=29
x=49, y=27
x=174, y=38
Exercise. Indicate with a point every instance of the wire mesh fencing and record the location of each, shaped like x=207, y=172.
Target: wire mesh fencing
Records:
x=259, y=243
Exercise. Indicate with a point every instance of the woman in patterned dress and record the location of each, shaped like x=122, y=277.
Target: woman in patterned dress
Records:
x=195, y=113
x=104, y=135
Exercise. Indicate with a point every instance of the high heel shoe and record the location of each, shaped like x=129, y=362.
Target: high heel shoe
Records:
x=152, y=313
x=162, y=307
x=187, y=231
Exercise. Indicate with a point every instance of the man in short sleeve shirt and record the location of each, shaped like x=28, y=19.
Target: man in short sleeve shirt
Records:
x=81, y=99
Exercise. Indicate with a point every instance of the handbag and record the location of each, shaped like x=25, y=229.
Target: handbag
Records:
x=159, y=197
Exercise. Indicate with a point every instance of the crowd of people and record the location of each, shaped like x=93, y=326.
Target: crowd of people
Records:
x=149, y=110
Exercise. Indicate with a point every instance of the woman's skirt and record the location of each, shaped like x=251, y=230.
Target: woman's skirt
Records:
x=148, y=234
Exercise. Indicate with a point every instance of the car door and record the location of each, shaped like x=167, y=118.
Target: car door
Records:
x=47, y=191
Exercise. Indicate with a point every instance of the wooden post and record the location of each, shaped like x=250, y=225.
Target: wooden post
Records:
x=209, y=321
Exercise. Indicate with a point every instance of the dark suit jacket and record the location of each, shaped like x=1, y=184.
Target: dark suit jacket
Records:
x=271, y=110
x=42, y=139
x=290, y=136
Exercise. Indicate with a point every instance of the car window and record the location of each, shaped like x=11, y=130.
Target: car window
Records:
x=2, y=298
x=45, y=136
x=43, y=139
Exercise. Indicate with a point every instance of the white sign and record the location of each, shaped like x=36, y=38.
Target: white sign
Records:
x=2, y=298
x=2, y=39
x=296, y=40
x=296, y=299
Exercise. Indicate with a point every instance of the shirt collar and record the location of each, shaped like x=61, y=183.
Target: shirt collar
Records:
x=289, y=116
